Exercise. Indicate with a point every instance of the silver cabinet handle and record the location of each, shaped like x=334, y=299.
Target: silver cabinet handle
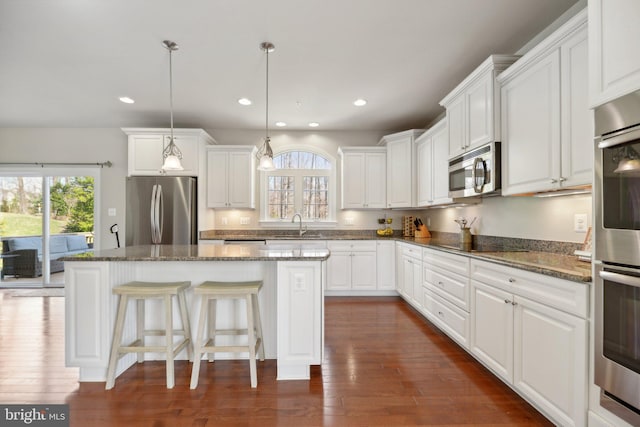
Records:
x=562, y=179
x=441, y=314
x=440, y=283
x=553, y=181
x=507, y=301
x=514, y=303
x=511, y=280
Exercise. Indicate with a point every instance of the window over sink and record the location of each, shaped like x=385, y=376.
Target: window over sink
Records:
x=303, y=182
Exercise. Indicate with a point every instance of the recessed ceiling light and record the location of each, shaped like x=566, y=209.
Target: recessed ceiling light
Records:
x=244, y=101
x=126, y=100
x=281, y=124
x=314, y=125
x=360, y=102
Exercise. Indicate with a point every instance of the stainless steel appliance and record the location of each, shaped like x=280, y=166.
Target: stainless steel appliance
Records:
x=617, y=255
x=161, y=210
x=475, y=173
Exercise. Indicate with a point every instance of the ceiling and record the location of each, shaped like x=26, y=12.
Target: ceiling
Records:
x=66, y=62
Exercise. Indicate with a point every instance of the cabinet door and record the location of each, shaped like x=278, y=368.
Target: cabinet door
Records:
x=479, y=110
x=145, y=154
x=399, y=269
x=240, y=180
x=492, y=328
x=416, y=284
x=339, y=271
x=363, y=270
x=424, y=172
x=531, y=128
x=440, y=167
x=353, y=180
x=188, y=146
x=614, y=69
x=577, y=119
x=456, y=126
x=550, y=362
x=399, y=174
x=406, y=287
x=385, y=266
x=217, y=173
x=375, y=180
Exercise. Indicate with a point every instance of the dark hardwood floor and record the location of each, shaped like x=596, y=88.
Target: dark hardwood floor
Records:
x=385, y=366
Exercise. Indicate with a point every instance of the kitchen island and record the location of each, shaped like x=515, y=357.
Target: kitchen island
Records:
x=291, y=300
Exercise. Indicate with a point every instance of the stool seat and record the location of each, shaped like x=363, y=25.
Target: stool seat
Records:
x=209, y=293
x=141, y=291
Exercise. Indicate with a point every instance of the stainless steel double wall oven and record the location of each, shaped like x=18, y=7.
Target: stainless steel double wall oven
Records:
x=617, y=255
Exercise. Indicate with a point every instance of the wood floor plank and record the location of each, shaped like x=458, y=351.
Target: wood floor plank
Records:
x=384, y=366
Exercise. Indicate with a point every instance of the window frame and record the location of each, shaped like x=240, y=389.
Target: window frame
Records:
x=299, y=173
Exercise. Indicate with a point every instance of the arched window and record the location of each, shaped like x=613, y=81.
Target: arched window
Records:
x=301, y=183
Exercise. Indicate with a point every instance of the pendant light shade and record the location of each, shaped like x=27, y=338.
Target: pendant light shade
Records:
x=171, y=154
x=628, y=161
x=265, y=154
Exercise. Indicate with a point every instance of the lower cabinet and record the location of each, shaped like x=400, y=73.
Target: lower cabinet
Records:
x=352, y=265
x=450, y=319
x=410, y=286
x=539, y=350
x=385, y=265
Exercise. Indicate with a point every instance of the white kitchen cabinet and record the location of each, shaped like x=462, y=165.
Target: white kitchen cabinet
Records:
x=531, y=331
x=364, y=178
x=385, y=266
x=145, y=147
x=352, y=265
x=473, y=107
x=432, y=151
x=547, y=130
x=401, y=168
x=411, y=287
x=231, y=176
x=614, y=66
x=446, y=292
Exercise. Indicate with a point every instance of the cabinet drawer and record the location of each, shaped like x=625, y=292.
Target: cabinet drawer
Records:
x=565, y=295
x=450, y=286
x=351, y=245
x=453, y=321
x=412, y=251
x=449, y=262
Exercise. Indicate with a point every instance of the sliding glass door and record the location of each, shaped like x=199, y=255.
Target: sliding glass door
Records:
x=44, y=216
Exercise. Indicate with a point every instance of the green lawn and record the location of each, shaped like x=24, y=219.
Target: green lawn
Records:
x=12, y=224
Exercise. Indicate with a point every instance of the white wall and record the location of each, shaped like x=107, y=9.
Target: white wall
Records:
x=77, y=145
x=525, y=217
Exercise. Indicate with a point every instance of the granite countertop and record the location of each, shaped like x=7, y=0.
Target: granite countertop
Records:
x=536, y=256
x=293, y=252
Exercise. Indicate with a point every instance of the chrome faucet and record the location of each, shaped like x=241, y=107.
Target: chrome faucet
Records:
x=294, y=220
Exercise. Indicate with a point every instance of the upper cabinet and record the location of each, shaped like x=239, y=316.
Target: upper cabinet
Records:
x=231, y=176
x=614, y=68
x=473, y=107
x=401, y=168
x=547, y=127
x=364, y=177
x=146, y=145
x=432, y=152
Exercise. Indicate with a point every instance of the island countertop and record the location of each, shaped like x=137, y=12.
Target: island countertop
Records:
x=292, y=252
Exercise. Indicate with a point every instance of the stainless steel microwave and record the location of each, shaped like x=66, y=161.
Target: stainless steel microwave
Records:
x=476, y=172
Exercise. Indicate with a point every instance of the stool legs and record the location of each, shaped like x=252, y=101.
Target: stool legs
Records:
x=252, y=342
x=117, y=340
x=198, y=342
x=168, y=313
x=256, y=310
x=140, y=327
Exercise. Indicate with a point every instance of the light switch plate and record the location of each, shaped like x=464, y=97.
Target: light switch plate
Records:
x=111, y=211
x=348, y=221
x=244, y=220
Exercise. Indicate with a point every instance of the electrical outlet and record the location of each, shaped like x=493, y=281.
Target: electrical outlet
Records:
x=224, y=220
x=428, y=221
x=111, y=212
x=580, y=223
x=244, y=220
x=348, y=221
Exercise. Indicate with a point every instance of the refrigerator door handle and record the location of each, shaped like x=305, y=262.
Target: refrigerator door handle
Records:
x=154, y=214
x=159, y=214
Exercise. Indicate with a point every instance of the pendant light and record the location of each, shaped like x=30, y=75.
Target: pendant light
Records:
x=171, y=153
x=265, y=154
x=628, y=161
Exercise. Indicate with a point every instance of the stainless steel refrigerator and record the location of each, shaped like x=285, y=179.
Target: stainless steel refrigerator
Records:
x=161, y=210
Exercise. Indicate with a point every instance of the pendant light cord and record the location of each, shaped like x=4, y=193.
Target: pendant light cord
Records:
x=266, y=124
x=171, y=91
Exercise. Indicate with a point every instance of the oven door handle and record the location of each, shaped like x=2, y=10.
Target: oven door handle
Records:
x=620, y=138
x=477, y=186
x=620, y=278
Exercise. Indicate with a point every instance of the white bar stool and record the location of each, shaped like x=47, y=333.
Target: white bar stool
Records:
x=209, y=293
x=141, y=291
